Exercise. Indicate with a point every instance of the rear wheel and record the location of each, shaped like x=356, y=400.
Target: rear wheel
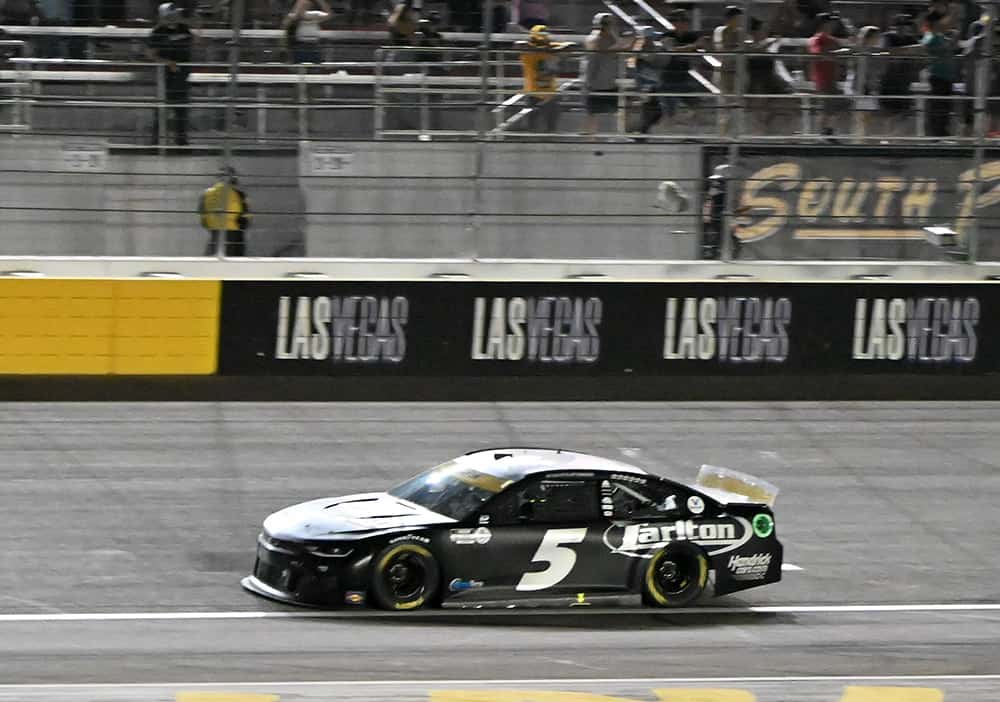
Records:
x=676, y=576
x=405, y=576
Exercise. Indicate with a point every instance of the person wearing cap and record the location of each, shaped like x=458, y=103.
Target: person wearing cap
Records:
x=825, y=72
x=676, y=74
x=728, y=37
x=539, y=64
x=225, y=215
x=600, y=69
x=403, y=23
x=170, y=45
x=301, y=29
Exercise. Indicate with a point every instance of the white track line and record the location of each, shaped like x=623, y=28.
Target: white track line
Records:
x=432, y=614
x=477, y=681
x=791, y=566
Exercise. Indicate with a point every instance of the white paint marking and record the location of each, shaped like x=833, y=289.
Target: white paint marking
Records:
x=791, y=566
x=476, y=681
x=612, y=611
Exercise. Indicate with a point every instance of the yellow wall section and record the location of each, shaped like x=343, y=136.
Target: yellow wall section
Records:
x=109, y=327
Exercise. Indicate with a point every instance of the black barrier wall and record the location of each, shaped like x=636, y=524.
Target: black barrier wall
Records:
x=606, y=329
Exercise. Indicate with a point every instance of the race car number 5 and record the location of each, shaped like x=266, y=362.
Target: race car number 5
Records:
x=561, y=559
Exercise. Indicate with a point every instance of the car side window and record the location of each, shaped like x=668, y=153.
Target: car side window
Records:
x=633, y=499
x=547, y=501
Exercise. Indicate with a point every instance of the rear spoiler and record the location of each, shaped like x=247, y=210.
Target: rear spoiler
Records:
x=728, y=486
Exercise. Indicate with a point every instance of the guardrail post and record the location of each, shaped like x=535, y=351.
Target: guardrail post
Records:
x=861, y=80
x=379, y=121
x=303, y=92
x=424, y=105
x=921, y=101
x=161, y=103
x=500, y=91
x=261, y=113
x=622, y=117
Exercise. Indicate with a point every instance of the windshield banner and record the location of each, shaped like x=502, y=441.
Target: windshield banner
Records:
x=494, y=329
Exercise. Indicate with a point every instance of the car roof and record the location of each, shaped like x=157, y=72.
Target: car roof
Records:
x=515, y=463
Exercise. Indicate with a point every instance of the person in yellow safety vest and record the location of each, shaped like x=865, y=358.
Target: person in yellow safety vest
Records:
x=224, y=210
x=540, y=65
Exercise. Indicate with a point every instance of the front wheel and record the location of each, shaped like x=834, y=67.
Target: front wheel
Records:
x=676, y=576
x=405, y=576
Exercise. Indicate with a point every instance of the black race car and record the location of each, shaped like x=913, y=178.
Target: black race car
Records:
x=519, y=524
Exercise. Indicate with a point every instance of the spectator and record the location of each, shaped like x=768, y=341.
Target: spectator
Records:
x=501, y=15
x=600, y=69
x=942, y=70
x=675, y=76
x=429, y=38
x=170, y=45
x=403, y=23
x=763, y=79
x=899, y=73
x=225, y=215
x=301, y=27
x=532, y=12
x=865, y=87
x=647, y=66
x=539, y=63
x=21, y=12
x=728, y=37
x=825, y=72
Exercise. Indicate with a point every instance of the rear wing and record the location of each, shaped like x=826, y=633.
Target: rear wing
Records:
x=728, y=486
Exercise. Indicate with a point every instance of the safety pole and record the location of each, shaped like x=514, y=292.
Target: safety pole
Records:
x=984, y=66
x=726, y=249
x=236, y=17
x=481, y=126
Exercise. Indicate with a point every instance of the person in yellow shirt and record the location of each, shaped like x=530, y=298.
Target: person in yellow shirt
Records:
x=226, y=215
x=539, y=63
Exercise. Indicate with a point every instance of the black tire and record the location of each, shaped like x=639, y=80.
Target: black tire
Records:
x=675, y=576
x=405, y=576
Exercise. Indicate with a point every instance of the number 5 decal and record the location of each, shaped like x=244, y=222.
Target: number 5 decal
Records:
x=560, y=559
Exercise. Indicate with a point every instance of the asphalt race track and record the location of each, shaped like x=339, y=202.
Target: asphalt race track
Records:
x=126, y=529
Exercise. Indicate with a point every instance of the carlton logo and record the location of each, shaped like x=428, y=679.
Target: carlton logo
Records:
x=348, y=329
x=727, y=329
x=643, y=540
x=917, y=329
x=544, y=329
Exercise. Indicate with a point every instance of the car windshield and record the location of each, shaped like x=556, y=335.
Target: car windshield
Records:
x=451, y=489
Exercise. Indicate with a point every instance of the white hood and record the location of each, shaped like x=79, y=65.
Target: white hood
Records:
x=332, y=517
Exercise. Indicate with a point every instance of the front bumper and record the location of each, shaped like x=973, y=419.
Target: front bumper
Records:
x=288, y=573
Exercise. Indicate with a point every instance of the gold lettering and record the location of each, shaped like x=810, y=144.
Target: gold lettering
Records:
x=815, y=198
x=919, y=200
x=967, y=208
x=785, y=176
x=887, y=187
x=850, y=199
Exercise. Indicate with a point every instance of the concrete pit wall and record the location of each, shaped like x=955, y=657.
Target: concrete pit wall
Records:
x=366, y=199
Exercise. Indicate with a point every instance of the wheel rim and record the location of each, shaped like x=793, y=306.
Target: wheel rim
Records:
x=405, y=576
x=673, y=574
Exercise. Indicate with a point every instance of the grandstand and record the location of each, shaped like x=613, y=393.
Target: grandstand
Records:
x=426, y=150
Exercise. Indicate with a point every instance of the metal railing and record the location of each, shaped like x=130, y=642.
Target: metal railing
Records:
x=397, y=81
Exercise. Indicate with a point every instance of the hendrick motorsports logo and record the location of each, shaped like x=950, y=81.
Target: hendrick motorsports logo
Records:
x=750, y=567
x=643, y=540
